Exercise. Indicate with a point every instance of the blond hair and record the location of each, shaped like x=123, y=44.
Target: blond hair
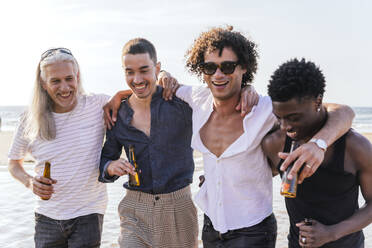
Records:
x=39, y=119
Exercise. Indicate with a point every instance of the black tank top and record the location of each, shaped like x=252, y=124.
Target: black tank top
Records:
x=329, y=196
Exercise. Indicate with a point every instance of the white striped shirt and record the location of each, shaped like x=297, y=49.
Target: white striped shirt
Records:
x=74, y=156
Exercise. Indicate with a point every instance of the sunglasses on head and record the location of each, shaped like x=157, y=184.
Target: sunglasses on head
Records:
x=53, y=51
x=226, y=67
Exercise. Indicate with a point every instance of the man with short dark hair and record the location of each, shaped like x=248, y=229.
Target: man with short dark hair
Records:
x=157, y=212
x=329, y=198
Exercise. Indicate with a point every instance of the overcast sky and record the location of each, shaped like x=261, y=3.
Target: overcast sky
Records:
x=335, y=34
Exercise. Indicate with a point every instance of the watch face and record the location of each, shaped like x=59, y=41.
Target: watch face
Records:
x=321, y=143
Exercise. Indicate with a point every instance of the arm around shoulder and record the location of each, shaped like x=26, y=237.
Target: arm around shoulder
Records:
x=112, y=106
x=185, y=93
x=340, y=118
x=339, y=121
x=271, y=144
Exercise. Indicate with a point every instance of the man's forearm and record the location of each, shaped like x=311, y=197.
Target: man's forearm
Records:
x=340, y=118
x=356, y=222
x=104, y=176
x=124, y=93
x=17, y=171
x=111, y=151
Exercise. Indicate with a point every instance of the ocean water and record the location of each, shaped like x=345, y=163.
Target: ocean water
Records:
x=10, y=116
x=363, y=119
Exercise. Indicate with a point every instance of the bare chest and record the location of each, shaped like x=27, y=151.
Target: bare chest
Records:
x=142, y=121
x=219, y=133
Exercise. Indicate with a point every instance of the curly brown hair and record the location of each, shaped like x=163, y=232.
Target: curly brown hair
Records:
x=216, y=39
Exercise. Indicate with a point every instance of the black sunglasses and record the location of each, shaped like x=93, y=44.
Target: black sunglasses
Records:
x=53, y=51
x=227, y=67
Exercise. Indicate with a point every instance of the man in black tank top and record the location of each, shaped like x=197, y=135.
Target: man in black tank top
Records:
x=330, y=196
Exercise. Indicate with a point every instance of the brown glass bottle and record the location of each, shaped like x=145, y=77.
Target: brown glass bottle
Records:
x=134, y=180
x=289, y=186
x=46, y=174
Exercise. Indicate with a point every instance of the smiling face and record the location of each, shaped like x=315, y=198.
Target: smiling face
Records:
x=61, y=84
x=141, y=74
x=223, y=86
x=297, y=118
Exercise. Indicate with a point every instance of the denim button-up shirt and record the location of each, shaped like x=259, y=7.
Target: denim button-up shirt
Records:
x=165, y=158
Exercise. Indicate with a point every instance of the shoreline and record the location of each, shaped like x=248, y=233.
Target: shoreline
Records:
x=7, y=136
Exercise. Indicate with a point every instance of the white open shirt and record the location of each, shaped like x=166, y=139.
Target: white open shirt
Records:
x=237, y=191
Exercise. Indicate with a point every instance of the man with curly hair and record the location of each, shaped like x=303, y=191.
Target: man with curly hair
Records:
x=236, y=196
x=329, y=198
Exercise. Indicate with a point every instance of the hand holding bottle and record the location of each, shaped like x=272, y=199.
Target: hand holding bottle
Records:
x=134, y=180
x=120, y=167
x=289, y=185
x=46, y=183
x=42, y=186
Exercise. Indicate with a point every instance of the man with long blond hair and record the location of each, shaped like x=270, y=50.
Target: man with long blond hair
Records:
x=64, y=127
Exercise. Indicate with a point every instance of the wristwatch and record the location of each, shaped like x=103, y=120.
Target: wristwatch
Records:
x=320, y=143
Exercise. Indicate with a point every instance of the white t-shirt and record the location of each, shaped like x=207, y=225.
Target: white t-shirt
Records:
x=74, y=156
x=237, y=191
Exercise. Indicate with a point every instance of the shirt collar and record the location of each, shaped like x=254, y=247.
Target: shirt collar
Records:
x=126, y=112
x=157, y=94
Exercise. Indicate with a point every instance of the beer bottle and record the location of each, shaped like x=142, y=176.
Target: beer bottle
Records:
x=133, y=179
x=289, y=186
x=47, y=175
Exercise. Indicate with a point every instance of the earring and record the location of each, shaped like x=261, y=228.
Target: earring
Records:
x=318, y=109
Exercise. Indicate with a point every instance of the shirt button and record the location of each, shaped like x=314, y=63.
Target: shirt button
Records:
x=219, y=183
x=220, y=204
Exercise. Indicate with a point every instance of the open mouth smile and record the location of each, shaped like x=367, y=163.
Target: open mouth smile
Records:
x=140, y=87
x=65, y=95
x=292, y=134
x=219, y=84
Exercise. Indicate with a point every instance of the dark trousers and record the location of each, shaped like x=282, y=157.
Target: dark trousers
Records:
x=82, y=231
x=261, y=235
x=354, y=240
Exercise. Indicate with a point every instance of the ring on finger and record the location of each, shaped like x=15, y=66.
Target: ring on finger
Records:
x=308, y=166
x=303, y=240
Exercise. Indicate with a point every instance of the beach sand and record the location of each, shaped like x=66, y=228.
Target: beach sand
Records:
x=17, y=206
